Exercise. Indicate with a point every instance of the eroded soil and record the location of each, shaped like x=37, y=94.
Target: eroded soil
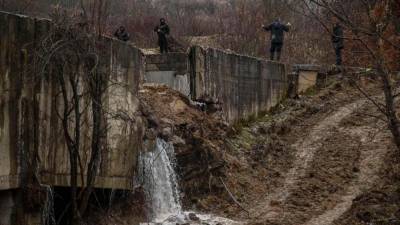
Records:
x=317, y=160
x=333, y=161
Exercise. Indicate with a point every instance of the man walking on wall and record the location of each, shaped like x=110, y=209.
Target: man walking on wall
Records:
x=337, y=40
x=162, y=32
x=277, y=30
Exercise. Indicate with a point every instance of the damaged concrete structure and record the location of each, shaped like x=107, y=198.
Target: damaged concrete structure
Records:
x=169, y=69
x=244, y=86
x=306, y=76
x=30, y=128
x=31, y=132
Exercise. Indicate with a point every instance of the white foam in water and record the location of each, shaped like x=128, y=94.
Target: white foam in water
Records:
x=160, y=181
x=161, y=185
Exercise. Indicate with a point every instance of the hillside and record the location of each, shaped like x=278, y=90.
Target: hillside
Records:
x=325, y=158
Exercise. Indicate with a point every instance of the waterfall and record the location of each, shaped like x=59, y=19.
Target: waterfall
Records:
x=47, y=212
x=160, y=182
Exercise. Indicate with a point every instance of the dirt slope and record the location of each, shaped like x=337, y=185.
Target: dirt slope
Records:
x=317, y=160
x=312, y=161
x=333, y=154
x=198, y=139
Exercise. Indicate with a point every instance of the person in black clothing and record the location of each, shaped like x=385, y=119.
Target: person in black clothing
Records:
x=337, y=40
x=277, y=30
x=162, y=32
x=121, y=34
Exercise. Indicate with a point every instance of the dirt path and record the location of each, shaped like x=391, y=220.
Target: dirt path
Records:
x=336, y=160
x=306, y=148
x=371, y=162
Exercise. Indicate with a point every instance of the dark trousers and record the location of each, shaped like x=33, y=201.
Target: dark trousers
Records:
x=338, y=52
x=276, y=47
x=163, y=43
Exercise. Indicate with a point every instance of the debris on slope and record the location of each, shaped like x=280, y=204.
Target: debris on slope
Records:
x=237, y=171
x=198, y=139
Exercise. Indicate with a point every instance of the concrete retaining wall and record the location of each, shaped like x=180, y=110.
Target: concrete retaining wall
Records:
x=169, y=69
x=28, y=110
x=244, y=86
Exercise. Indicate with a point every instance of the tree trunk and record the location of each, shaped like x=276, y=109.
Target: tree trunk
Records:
x=93, y=167
x=393, y=121
x=72, y=143
x=74, y=156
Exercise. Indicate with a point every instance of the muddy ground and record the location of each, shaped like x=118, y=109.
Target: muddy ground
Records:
x=324, y=158
x=331, y=161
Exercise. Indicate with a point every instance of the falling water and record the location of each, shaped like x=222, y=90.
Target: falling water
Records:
x=160, y=181
x=161, y=184
x=48, y=217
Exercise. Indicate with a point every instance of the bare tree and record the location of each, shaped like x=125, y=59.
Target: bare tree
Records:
x=70, y=56
x=370, y=24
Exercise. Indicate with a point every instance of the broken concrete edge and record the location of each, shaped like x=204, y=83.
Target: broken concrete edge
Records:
x=155, y=54
x=170, y=69
x=167, y=62
x=243, y=85
x=306, y=67
x=229, y=52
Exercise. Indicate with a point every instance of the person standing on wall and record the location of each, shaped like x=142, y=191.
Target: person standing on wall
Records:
x=337, y=40
x=121, y=34
x=277, y=30
x=162, y=32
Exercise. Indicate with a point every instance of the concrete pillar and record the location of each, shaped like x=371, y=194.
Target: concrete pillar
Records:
x=307, y=76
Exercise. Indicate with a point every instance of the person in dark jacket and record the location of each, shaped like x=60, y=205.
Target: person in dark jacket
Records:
x=162, y=32
x=337, y=40
x=277, y=30
x=121, y=34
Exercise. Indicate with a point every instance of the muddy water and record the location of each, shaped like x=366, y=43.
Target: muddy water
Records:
x=161, y=184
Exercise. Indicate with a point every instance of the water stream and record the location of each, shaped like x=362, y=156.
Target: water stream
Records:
x=161, y=184
x=47, y=212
